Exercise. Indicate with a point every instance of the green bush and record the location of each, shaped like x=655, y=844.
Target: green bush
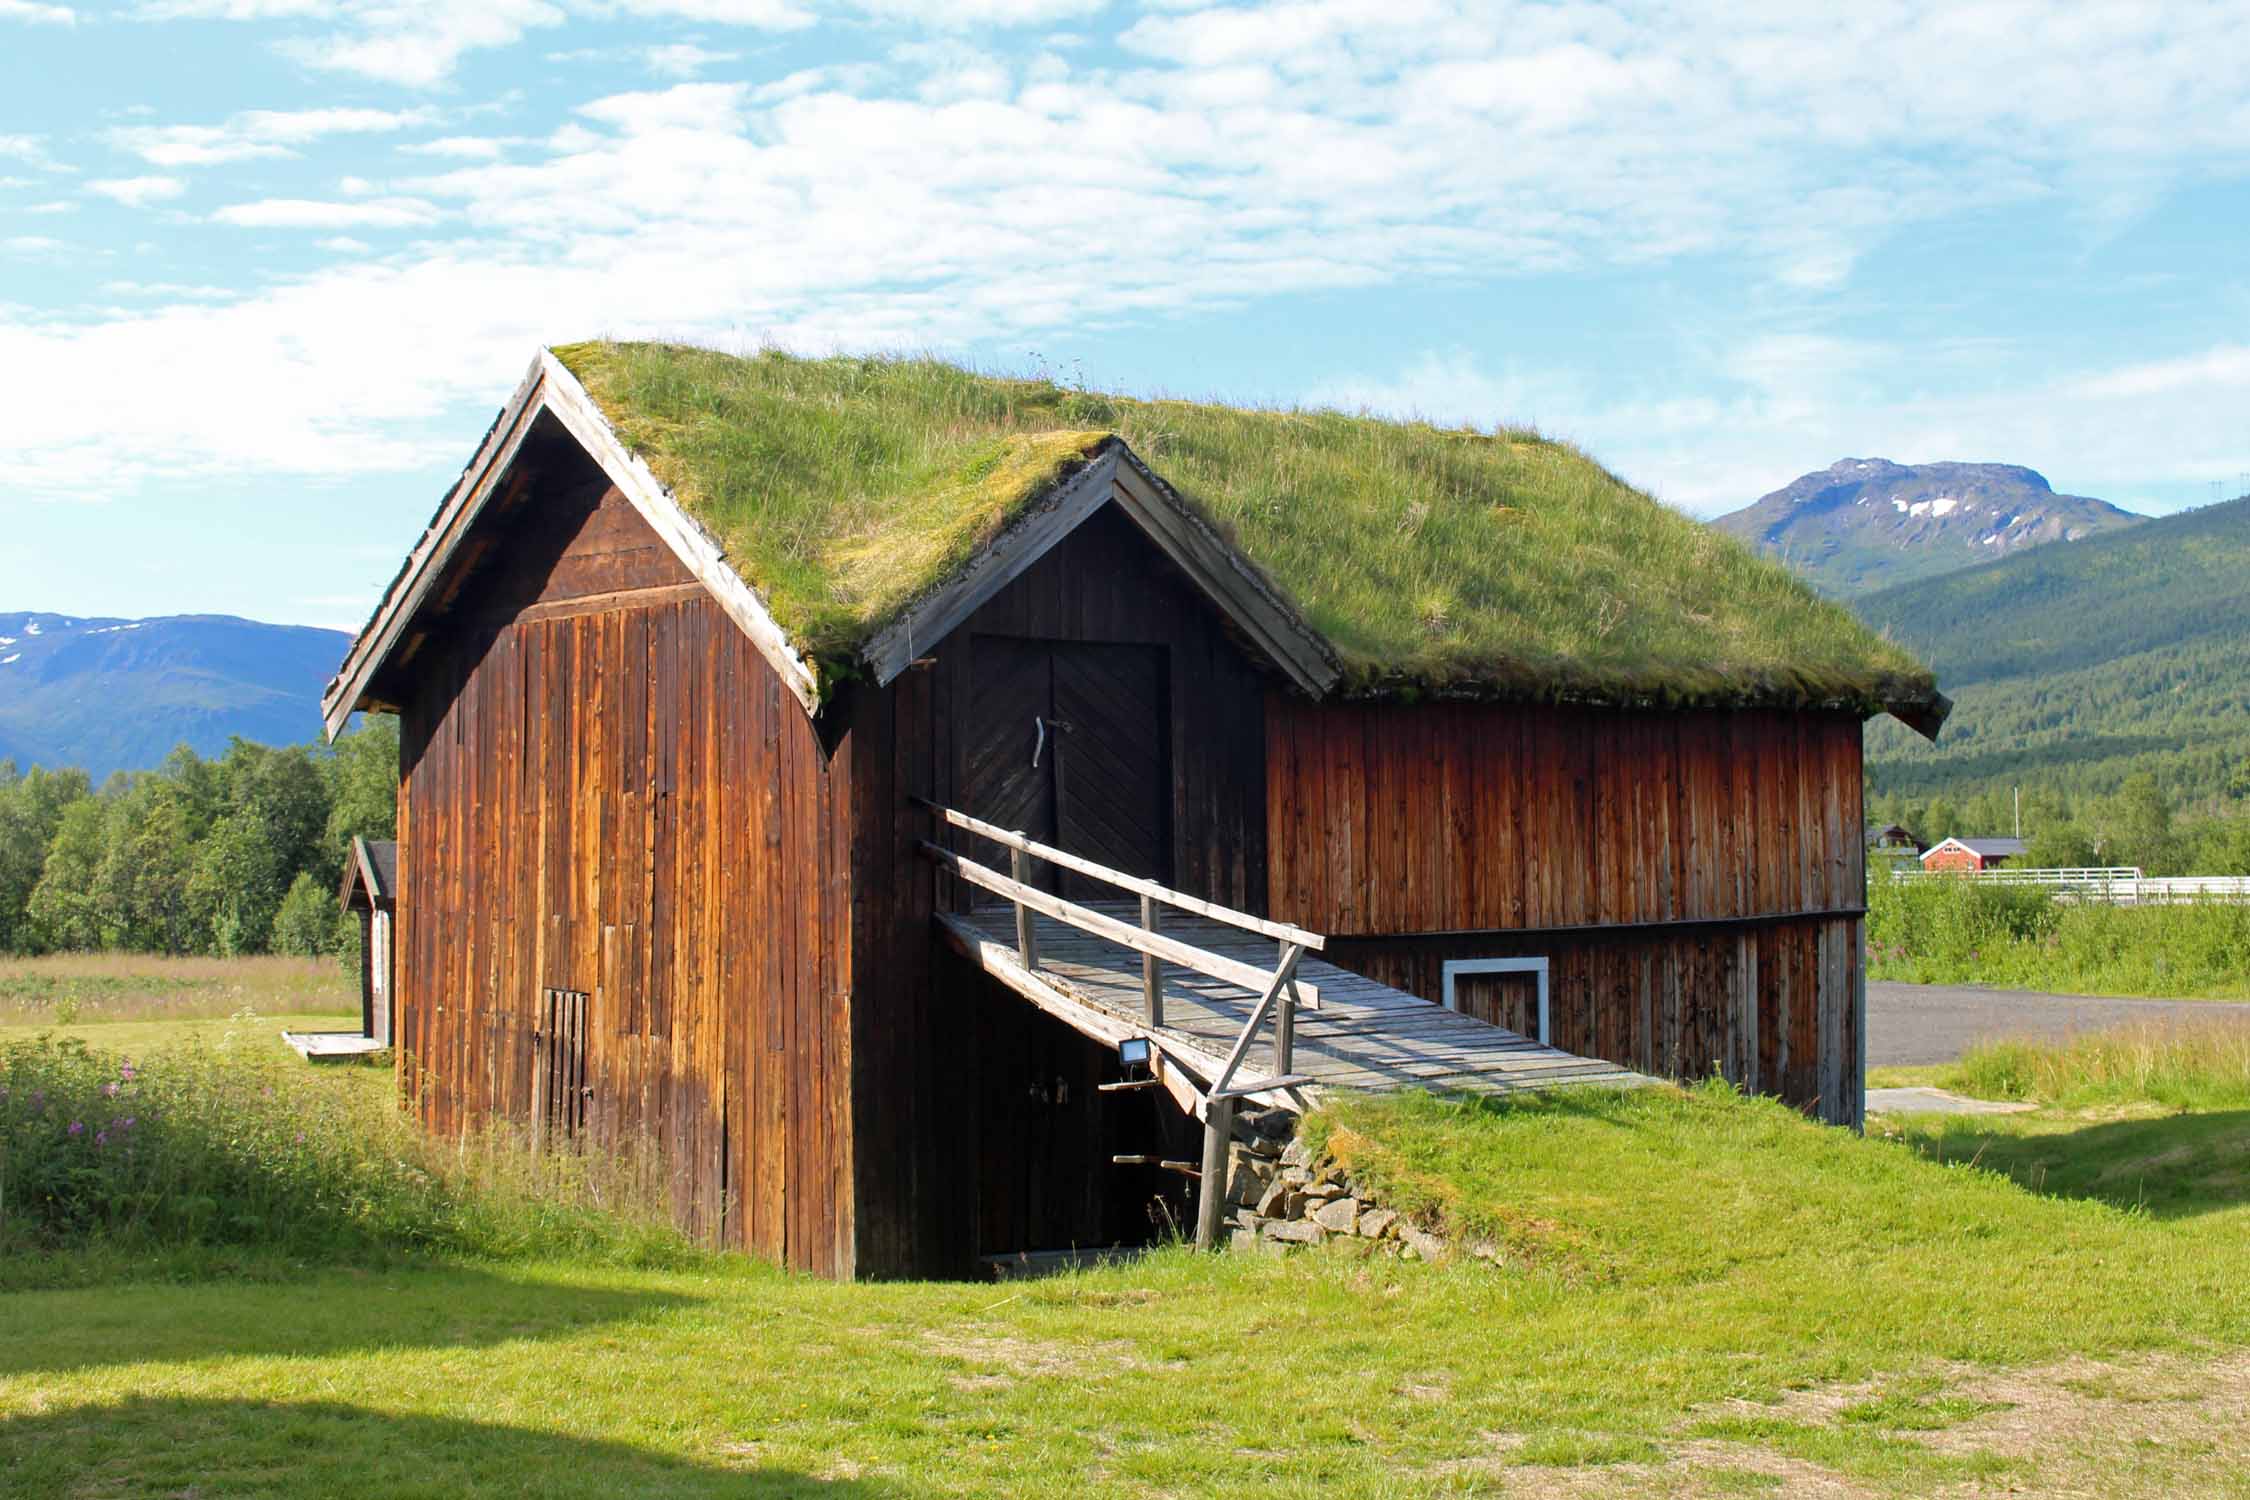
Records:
x=309, y=923
x=1970, y=932
x=210, y=1147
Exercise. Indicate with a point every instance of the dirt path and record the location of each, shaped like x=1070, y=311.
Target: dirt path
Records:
x=1913, y=1025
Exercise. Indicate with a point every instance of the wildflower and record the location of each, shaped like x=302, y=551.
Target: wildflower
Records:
x=300, y=1138
x=109, y=1090
x=101, y=1137
x=78, y=1127
x=125, y=1070
x=126, y=1123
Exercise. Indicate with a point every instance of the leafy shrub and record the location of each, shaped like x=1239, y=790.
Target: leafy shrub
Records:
x=206, y=1146
x=309, y=922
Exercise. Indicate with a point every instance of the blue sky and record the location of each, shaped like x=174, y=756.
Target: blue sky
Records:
x=268, y=266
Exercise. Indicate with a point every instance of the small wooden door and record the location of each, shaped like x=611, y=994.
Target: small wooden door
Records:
x=1071, y=743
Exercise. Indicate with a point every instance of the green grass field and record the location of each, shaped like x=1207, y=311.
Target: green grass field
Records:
x=1697, y=1295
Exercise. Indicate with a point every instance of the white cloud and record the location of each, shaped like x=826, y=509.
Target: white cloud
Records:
x=959, y=14
x=37, y=14
x=683, y=59
x=1224, y=155
x=467, y=147
x=344, y=244
x=1790, y=404
x=255, y=133
x=137, y=192
x=31, y=150
x=31, y=245
x=309, y=213
x=54, y=206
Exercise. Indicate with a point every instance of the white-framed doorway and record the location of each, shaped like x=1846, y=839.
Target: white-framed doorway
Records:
x=1536, y=967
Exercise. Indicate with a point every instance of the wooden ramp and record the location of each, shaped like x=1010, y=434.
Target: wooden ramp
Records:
x=1364, y=1035
x=330, y=1046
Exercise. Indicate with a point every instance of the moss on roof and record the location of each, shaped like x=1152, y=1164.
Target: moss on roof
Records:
x=1431, y=559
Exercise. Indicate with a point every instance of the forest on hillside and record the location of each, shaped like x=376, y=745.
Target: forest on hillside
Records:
x=235, y=854
x=2078, y=667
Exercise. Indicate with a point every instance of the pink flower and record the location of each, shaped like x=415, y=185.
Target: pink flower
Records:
x=110, y=1090
x=78, y=1127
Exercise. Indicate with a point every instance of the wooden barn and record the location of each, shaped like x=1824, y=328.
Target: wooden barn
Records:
x=845, y=771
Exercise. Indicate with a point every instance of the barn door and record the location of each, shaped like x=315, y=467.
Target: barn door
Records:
x=1071, y=743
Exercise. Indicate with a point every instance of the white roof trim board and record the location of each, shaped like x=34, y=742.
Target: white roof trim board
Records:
x=1228, y=579
x=550, y=388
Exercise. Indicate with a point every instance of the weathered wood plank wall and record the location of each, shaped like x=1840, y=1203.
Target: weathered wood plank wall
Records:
x=925, y=1106
x=604, y=788
x=1695, y=878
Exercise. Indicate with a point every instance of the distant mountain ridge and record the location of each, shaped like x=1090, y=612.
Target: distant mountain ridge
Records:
x=113, y=694
x=1863, y=524
x=2073, y=666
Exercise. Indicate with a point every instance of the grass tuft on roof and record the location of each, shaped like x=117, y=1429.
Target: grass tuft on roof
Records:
x=1432, y=559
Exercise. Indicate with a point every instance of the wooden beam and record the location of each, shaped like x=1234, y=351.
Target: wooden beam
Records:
x=1211, y=1194
x=696, y=548
x=427, y=562
x=1227, y=578
x=1085, y=919
x=1030, y=537
x=1281, y=932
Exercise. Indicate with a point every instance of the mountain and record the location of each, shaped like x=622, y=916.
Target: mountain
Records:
x=2071, y=666
x=1863, y=524
x=117, y=695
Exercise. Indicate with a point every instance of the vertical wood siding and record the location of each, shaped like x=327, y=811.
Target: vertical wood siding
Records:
x=928, y=1096
x=604, y=788
x=1704, y=869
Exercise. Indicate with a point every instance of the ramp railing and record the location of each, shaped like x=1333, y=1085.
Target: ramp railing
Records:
x=1278, y=990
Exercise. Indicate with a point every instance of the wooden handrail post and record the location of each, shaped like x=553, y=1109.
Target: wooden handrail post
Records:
x=1027, y=939
x=1152, y=969
x=1285, y=1028
x=1211, y=1199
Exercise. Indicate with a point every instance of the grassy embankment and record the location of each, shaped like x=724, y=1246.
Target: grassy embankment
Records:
x=2020, y=937
x=1698, y=1294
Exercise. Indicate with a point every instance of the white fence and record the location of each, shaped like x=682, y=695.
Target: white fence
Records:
x=2121, y=885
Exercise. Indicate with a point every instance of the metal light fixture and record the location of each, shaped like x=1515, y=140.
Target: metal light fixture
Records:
x=1133, y=1052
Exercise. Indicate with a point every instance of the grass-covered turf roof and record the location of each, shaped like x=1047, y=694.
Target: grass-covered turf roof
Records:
x=1431, y=559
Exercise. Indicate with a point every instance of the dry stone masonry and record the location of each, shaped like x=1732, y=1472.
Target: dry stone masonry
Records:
x=1280, y=1196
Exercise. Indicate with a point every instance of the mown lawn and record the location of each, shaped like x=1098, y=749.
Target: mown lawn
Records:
x=1697, y=1295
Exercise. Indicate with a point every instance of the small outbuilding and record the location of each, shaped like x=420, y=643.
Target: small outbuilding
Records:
x=913, y=799
x=370, y=893
x=1968, y=856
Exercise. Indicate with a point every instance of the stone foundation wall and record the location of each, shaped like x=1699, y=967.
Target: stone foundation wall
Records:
x=1278, y=1196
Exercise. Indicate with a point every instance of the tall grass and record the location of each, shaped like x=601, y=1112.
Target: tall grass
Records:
x=2021, y=937
x=2203, y=1065
x=75, y=988
x=845, y=489
x=201, y=1148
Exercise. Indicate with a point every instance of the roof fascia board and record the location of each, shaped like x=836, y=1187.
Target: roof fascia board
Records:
x=696, y=548
x=550, y=387
x=1032, y=536
x=1227, y=578
x=426, y=563
x=1117, y=474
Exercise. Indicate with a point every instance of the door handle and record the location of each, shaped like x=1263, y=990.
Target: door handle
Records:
x=1059, y=726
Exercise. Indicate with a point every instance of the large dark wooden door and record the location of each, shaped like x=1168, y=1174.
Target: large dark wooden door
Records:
x=1071, y=744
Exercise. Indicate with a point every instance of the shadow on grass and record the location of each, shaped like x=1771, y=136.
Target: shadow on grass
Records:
x=2171, y=1167
x=182, y=1446
x=306, y=1317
